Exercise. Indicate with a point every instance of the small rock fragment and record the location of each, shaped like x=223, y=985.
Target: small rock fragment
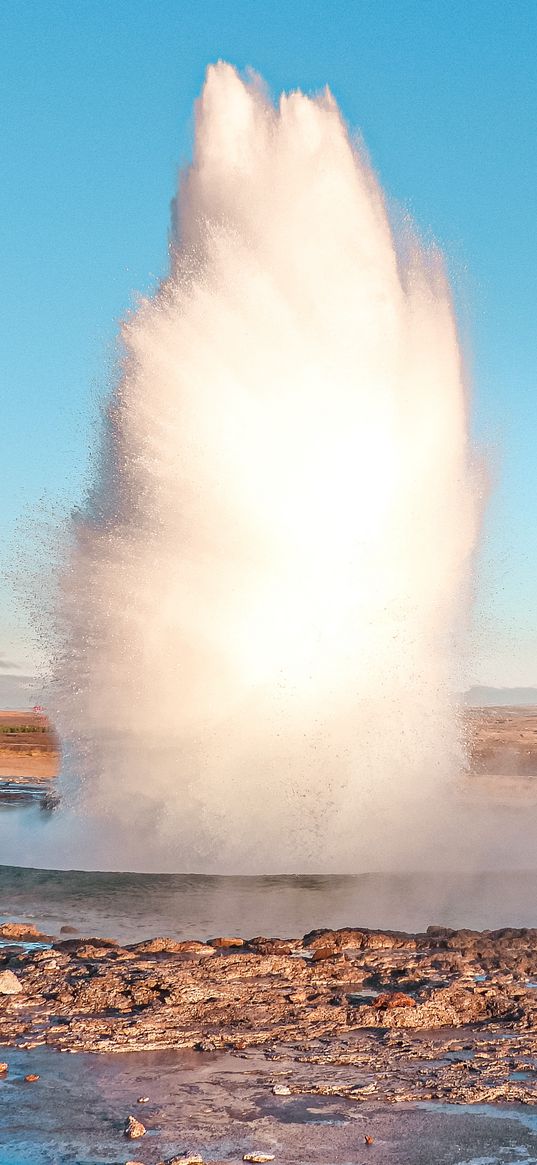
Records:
x=9, y=984
x=391, y=999
x=31, y=1077
x=369, y=1140
x=259, y=1157
x=3, y=1069
x=134, y=1128
x=142, y=1100
x=281, y=1090
x=223, y=943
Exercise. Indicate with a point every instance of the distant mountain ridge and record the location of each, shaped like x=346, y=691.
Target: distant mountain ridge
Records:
x=23, y=691
x=483, y=697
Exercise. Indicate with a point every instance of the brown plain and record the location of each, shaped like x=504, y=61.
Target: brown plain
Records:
x=29, y=747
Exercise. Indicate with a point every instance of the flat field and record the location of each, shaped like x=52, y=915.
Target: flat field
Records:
x=28, y=746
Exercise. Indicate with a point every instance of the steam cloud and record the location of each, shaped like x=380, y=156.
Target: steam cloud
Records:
x=265, y=592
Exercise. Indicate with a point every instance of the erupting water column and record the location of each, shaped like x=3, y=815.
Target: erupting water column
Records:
x=265, y=587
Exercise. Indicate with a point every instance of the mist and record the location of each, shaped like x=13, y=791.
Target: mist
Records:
x=262, y=605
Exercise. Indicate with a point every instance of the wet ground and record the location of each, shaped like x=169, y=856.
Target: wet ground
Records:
x=222, y=1108
x=17, y=793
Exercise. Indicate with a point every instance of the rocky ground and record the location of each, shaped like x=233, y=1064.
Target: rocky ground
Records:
x=502, y=741
x=449, y=1015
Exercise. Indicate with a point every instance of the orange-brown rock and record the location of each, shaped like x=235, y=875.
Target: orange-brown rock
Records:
x=325, y=952
x=91, y=995
x=227, y=943
x=20, y=931
x=391, y=999
x=134, y=1128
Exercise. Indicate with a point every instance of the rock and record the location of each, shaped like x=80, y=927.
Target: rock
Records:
x=25, y=931
x=134, y=1128
x=68, y=930
x=352, y=938
x=158, y=946
x=9, y=984
x=192, y=947
x=142, y=1100
x=71, y=946
x=281, y=1090
x=31, y=1078
x=319, y=938
x=369, y=1140
x=90, y=951
x=391, y=999
x=259, y=1157
x=183, y=1159
x=4, y=1068
x=222, y=944
x=270, y=946
x=326, y=952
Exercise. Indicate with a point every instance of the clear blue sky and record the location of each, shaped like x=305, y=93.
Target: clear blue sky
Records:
x=96, y=112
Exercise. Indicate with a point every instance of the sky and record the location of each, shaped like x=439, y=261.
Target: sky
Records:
x=96, y=114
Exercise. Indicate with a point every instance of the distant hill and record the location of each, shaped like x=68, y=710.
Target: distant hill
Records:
x=22, y=691
x=482, y=697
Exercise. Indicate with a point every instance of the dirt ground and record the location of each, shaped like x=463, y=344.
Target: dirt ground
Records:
x=503, y=741
x=28, y=746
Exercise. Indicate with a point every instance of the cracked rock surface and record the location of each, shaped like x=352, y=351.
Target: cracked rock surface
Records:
x=446, y=1015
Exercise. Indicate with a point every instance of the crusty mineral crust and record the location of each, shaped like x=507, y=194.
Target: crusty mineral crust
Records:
x=376, y=1002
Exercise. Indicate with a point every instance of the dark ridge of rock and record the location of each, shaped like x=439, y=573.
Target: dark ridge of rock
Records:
x=72, y=946
x=169, y=946
x=271, y=946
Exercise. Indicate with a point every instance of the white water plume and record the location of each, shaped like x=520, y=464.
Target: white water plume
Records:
x=265, y=590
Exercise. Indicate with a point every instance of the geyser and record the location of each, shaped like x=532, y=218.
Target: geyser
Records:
x=262, y=598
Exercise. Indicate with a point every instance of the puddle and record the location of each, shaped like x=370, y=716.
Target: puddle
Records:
x=515, y=1112
x=222, y=1107
x=17, y=794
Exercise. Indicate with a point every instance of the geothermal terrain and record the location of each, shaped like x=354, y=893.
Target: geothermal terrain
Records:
x=502, y=743
x=444, y=1015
